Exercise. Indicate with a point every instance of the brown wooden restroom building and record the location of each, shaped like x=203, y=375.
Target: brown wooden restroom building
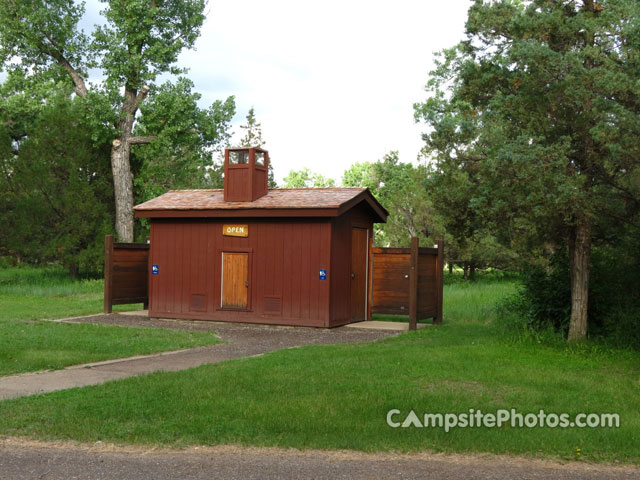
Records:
x=250, y=254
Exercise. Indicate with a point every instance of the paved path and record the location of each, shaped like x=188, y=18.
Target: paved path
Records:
x=20, y=459
x=242, y=341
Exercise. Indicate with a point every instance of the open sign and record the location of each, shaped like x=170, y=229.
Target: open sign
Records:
x=235, y=230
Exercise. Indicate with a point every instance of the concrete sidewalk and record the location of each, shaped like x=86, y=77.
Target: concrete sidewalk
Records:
x=390, y=326
x=94, y=373
x=242, y=341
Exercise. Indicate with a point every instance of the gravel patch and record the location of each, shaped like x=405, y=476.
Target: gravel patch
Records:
x=270, y=337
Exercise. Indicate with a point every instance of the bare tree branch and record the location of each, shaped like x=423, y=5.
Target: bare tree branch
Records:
x=142, y=139
x=140, y=96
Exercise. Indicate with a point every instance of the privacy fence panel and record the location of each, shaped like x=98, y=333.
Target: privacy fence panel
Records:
x=126, y=273
x=408, y=281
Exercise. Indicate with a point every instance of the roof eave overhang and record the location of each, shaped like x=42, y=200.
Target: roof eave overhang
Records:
x=366, y=196
x=240, y=213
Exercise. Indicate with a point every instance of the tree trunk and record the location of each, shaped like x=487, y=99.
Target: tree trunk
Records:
x=472, y=271
x=579, y=257
x=580, y=244
x=120, y=165
x=73, y=270
x=121, y=148
x=450, y=268
x=122, y=188
x=465, y=271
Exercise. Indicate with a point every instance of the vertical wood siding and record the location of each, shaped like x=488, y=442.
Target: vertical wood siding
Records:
x=341, y=257
x=284, y=263
x=391, y=282
x=126, y=273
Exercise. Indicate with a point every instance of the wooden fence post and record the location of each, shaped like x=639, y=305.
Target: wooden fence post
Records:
x=108, y=272
x=413, y=285
x=439, y=281
x=370, y=278
x=145, y=305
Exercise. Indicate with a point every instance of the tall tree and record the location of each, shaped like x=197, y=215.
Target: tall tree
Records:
x=187, y=135
x=473, y=238
x=403, y=190
x=541, y=100
x=253, y=138
x=140, y=40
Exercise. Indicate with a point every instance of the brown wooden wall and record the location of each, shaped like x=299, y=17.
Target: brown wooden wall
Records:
x=284, y=256
x=392, y=275
x=126, y=267
x=341, y=250
x=391, y=280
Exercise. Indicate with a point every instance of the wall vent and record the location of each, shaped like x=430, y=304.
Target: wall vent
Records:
x=272, y=305
x=198, y=303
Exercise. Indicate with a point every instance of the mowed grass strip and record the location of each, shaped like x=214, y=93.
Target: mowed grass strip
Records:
x=35, y=293
x=29, y=344
x=338, y=396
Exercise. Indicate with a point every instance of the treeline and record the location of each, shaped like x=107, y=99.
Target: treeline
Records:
x=77, y=153
x=533, y=148
x=56, y=184
x=424, y=202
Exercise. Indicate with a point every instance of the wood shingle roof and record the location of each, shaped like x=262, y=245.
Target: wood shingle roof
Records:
x=280, y=202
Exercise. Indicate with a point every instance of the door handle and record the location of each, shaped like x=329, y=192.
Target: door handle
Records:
x=246, y=283
x=353, y=275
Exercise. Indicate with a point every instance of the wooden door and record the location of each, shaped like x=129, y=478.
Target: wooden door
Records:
x=359, y=257
x=235, y=280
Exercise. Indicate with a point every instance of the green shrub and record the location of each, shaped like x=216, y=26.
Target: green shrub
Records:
x=622, y=327
x=614, y=300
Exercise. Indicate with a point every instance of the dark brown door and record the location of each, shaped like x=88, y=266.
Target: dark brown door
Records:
x=359, y=248
x=235, y=280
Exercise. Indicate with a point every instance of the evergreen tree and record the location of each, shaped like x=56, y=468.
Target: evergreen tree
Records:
x=59, y=192
x=253, y=138
x=540, y=103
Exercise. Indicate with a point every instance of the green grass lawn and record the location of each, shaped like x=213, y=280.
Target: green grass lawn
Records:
x=466, y=302
x=338, y=396
x=29, y=344
x=31, y=293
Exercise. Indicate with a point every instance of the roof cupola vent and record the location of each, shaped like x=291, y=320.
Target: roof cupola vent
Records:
x=246, y=174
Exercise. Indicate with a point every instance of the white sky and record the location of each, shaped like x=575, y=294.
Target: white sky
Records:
x=332, y=82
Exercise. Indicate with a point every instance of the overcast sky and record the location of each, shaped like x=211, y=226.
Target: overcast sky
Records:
x=332, y=82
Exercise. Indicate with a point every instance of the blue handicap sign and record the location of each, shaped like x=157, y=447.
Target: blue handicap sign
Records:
x=323, y=274
x=155, y=269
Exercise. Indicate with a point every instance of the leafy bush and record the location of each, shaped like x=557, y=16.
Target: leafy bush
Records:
x=614, y=300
